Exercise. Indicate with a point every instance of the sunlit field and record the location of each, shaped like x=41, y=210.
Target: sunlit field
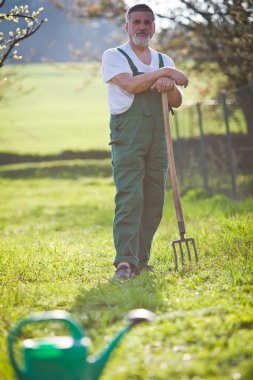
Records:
x=56, y=252
x=56, y=244
x=53, y=108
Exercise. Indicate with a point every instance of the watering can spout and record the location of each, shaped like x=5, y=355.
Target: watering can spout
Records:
x=96, y=365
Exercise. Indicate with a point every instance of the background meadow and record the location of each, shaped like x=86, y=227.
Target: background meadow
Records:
x=53, y=108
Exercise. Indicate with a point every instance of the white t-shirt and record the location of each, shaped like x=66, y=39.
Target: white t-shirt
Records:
x=114, y=63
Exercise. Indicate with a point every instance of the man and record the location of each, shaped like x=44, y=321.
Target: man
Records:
x=136, y=75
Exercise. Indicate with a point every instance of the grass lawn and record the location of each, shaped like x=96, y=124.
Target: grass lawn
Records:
x=56, y=252
x=56, y=246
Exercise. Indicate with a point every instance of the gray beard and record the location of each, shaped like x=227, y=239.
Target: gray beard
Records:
x=141, y=41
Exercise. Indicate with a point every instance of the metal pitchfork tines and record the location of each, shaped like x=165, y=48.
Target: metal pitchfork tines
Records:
x=183, y=243
x=182, y=251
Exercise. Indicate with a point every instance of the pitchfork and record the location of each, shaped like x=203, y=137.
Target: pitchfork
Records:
x=183, y=242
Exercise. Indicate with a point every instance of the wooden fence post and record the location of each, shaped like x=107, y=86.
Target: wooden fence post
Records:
x=203, y=164
x=229, y=144
x=179, y=150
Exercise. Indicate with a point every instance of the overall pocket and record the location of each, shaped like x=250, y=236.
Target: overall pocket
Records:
x=118, y=126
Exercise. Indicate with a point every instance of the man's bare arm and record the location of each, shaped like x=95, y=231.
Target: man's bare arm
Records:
x=143, y=82
x=135, y=84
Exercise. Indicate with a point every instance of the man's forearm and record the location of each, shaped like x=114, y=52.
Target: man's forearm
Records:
x=137, y=84
x=143, y=82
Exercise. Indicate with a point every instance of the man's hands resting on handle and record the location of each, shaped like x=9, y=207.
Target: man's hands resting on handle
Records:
x=166, y=79
x=169, y=85
x=166, y=83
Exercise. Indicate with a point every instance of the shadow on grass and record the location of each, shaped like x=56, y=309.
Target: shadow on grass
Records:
x=72, y=169
x=109, y=303
x=7, y=158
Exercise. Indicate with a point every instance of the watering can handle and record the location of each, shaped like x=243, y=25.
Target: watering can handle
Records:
x=56, y=316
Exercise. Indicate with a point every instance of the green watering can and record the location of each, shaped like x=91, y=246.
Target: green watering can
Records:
x=64, y=357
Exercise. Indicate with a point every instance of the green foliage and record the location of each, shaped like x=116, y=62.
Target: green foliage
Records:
x=85, y=9
x=56, y=252
x=215, y=32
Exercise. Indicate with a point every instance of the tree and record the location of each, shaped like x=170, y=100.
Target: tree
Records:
x=86, y=9
x=218, y=32
x=27, y=23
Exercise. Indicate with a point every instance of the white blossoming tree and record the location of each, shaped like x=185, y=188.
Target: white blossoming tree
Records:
x=22, y=24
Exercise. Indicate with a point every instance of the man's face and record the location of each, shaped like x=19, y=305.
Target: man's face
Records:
x=140, y=27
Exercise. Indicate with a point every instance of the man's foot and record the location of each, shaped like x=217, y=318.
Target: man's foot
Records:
x=123, y=271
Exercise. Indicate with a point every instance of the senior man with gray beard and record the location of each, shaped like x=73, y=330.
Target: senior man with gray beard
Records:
x=136, y=75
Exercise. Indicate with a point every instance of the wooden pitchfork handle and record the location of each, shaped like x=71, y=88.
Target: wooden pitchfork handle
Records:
x=172, y=168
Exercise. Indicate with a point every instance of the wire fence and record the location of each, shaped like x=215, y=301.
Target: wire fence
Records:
x=213, y=143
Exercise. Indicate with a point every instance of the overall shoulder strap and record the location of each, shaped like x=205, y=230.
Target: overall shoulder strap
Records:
x=161, y=63
x=131, y=64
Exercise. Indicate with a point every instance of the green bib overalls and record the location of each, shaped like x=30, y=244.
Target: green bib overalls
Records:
x=139, y=163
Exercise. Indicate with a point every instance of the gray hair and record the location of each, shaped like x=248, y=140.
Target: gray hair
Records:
x=139, y=8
